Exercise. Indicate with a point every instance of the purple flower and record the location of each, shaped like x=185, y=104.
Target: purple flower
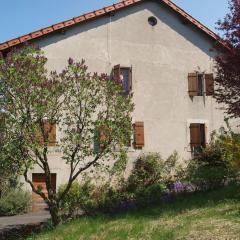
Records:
x=182, y=187
x=178, y=187
x=70, y=61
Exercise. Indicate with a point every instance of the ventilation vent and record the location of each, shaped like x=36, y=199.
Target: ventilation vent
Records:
x=152, y=21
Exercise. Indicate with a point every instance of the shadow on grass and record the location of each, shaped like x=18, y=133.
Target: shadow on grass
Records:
x=181, y=203
x=176, y=205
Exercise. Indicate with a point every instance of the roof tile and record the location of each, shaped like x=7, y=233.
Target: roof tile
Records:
x=36, y=34
x=89, y=15
x=110, y=9
x=58, y=26
x=69, y=23
x=128, y=2
x=79, y=19
x=119, y=5
x=100, y=12
x=47, y=30
x=25, y=38
x=14, y=42
x=3, y=46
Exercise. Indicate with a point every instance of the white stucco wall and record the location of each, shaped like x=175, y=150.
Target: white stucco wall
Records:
x=161, y=58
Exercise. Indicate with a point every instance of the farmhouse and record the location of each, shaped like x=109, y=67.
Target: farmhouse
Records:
x=165, y=58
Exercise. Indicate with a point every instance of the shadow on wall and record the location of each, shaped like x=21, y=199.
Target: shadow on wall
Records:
x=162, y=12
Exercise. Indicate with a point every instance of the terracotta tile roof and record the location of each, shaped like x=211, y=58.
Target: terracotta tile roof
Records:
x=100, y=12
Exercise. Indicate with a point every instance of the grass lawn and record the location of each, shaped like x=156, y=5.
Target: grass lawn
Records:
x=210, y=215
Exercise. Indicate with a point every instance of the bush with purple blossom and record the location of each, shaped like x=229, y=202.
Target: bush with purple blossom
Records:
x=179, y=187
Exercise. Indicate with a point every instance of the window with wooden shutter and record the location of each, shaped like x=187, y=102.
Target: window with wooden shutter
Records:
x=197, y=137
x=124, y=76
x=209, y=84
x=200, y=84
x=138, y=134
x=50, y=130
x=192, y=84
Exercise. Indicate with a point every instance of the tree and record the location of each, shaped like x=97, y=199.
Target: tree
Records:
x=85, y=107
x=228, y=61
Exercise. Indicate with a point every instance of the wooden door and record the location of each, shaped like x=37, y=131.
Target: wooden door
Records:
x=38, y=180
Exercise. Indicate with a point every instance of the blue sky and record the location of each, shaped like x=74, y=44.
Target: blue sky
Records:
x=23, y=16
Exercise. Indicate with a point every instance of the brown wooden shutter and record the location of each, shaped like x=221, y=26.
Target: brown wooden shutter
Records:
x=39, y=136
x=195, y=139
x=192, y=84
x=117, y=72
x=205, y=134
x=49, y=128
x=104, y=136
x=138, y=134
x=130, y=80
x=209, y=83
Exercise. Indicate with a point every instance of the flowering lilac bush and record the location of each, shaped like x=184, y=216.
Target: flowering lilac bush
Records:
x=80, y=103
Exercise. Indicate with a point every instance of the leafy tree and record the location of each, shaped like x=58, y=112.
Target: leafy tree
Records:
x=80, y=103
x=228, y=61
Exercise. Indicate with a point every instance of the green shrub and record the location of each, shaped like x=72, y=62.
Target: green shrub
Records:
x=150, y=194
x=230, y=142
x=112, y=199
x=146, y=171
x=213, y=167
x=146, y=184
x=151, y=168
x=78, y=198
x=15, y=201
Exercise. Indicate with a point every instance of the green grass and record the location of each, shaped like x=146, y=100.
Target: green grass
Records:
x=210, y=215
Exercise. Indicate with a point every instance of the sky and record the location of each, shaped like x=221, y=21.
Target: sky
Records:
x=19, y=17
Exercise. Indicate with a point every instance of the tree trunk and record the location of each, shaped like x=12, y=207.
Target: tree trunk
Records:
x=54, y=212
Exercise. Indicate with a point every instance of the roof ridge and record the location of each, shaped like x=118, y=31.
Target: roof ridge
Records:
x=100, y=12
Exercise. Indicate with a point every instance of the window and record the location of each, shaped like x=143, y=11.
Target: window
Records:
x=50, y=130
x=152, y=21
x=200, y=84
x=197, y=137
x=200, y=79
x=124, y=76
x=138, y=134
